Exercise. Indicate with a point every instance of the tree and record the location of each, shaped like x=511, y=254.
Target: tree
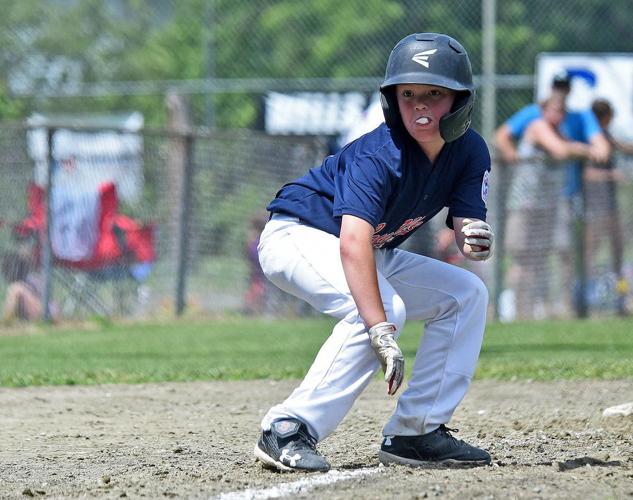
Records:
x=55, y=47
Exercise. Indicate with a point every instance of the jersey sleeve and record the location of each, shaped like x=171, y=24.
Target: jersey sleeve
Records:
x=520, y=120
x=470, y=194
x=362, y=190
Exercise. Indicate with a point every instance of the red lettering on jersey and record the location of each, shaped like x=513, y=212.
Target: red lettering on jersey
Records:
x=380, y=240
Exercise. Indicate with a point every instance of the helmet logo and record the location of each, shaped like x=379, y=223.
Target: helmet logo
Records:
x=423, y=57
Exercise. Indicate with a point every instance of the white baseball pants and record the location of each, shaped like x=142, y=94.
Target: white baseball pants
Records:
x=305, y=262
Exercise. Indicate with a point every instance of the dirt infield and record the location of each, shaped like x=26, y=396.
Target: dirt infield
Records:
x=194, y=440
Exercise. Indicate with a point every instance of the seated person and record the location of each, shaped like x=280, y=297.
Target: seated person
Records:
x=23, y=300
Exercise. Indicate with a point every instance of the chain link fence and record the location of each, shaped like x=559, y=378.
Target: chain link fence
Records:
x=231, y=60
x=202, y=196
x=560, y=256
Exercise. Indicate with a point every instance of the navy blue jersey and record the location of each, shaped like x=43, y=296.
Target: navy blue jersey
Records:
x=388, y=181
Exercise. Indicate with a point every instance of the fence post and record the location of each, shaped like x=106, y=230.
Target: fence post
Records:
x=578, y=214
x=489, y=61
x=208, y=51
x=501, y=198
x=47, y=257
x=183, y=224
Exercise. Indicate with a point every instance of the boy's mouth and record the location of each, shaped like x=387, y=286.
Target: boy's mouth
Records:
x=423, y=120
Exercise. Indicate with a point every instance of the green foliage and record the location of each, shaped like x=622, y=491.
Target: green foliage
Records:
x=10, y=109
x=55, y=45
x=241, y=348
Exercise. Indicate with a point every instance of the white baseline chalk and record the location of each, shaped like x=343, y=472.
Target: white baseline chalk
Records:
x=300, y=486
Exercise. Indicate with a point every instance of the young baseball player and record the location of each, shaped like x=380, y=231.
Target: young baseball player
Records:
x=333, y=240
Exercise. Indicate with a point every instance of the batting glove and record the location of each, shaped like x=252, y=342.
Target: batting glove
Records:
x=479, y=236
x=389, y=354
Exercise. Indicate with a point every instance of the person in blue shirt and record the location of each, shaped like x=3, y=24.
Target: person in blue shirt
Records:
x=333, y=239
x=533, y=201
x=581, y=126
x=577, y=126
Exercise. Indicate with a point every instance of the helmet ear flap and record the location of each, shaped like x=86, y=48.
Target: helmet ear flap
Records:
x=390, y=109
x=454, y=124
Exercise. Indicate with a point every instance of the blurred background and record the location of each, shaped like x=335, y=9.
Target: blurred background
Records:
x=149, y=135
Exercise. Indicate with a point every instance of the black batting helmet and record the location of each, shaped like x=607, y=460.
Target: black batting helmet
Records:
x=431, y=59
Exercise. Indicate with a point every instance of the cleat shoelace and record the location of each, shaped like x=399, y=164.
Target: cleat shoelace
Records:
x=305, y=441
x=447, y=432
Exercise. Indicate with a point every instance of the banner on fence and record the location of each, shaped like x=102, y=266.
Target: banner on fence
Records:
x=87, y=159
x=594, y=75
x=312, y=113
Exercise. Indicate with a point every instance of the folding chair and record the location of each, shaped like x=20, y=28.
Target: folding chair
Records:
x=99, y=248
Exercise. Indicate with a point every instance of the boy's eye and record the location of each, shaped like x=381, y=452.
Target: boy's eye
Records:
x=407, y=93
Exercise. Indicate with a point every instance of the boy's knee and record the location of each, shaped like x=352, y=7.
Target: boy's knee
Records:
x=472, y=292
x=479, y=289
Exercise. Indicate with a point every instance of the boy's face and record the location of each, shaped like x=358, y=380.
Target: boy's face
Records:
x=421, y=107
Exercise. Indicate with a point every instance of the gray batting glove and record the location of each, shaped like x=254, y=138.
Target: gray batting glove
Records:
x=389, y=354
x=479, y=234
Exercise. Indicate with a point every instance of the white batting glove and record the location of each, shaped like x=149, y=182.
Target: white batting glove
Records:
x=479, y=237
x=389, y=354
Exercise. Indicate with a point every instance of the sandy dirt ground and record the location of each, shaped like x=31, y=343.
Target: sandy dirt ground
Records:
x=195, y=440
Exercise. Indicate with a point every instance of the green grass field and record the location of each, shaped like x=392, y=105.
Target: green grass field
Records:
x=239, y=348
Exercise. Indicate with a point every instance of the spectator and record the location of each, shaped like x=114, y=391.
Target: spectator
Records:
x=23, y=300
x=533, y=202
x=601, y=204
x=575, y=126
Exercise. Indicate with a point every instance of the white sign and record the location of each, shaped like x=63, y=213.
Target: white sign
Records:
x=87, y=160
x=312, y=113
x=594, y=75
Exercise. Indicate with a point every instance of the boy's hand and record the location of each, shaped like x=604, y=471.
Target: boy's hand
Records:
x=479, y=239
x=384, y=344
